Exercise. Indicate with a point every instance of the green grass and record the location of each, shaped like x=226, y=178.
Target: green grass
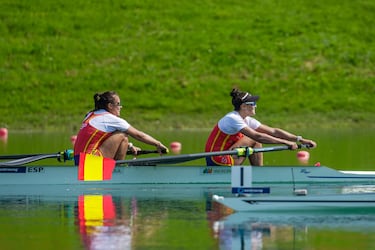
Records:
x=175, y=62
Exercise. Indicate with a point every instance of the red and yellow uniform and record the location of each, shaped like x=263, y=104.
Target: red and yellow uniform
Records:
x=219, y=141
x=90, y=138
x=226, y=133
x=95, y=129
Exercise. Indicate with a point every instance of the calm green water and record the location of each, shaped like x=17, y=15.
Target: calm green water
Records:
x=339, y=149
x=175, y=216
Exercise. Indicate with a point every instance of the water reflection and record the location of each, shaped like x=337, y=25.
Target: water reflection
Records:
x=100, y=226
x=166, y=217
x=110, y=217
x=301, y=228
x=179, y=216
x=263, y=230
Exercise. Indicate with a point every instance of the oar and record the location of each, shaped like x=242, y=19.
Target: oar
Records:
x=183, y=158
x=60, y=156
x=21, y=156
x=29, y=159
x=97, y=168
x=244, y=152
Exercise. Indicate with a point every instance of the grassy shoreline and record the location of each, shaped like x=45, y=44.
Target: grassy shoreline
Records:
x=174, y=63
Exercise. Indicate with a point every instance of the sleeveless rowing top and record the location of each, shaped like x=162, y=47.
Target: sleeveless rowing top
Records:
x=90, y=138
x=219, y=141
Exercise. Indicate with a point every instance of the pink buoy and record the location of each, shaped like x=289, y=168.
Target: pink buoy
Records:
x=176, y=147
x=73, y=139
x=3, y=134
x=303, y=157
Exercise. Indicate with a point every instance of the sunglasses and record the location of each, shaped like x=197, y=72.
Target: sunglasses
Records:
x=117, y=104
x=254, y=104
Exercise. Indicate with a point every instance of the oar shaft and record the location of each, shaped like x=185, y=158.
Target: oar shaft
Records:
x=277, y=148
x=19, y=156
x=175, y=159
x=270, y=149
x=60, y=156
x=190, y=157
x=30, y=159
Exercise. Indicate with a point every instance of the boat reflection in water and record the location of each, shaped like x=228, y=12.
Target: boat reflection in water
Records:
x=167, y=217
x=100, y=226
x=295, y=231
x=298, y=228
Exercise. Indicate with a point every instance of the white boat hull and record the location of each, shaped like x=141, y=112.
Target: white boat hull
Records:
x=172, y=174
x=290, y=203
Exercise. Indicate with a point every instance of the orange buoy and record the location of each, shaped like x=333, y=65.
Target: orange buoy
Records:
x=303, y=157
x=3, y=134
x=176, y=147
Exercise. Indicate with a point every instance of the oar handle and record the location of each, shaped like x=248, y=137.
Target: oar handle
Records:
x=304, y=146
x=145, y=151
x=277, y=148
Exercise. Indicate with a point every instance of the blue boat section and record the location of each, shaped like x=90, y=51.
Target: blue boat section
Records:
x=241, y=182
x=21, y=170
x=15, y=170
x=310, y=200
x=251, y=190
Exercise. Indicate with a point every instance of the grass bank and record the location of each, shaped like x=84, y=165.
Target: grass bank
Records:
x=175, y=62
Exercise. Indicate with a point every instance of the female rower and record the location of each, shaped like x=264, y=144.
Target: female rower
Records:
x=239, y=129
x=104, y=133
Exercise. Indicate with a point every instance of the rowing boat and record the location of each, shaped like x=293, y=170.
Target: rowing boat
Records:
x=175, y=174
x=252, y=198
x=158, y=170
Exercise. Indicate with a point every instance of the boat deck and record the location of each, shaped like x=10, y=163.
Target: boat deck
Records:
x=173, y=174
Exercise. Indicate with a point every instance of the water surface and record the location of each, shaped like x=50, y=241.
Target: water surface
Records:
x=180, y=216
